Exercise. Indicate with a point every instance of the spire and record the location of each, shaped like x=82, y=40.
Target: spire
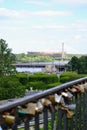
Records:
x=62, y=51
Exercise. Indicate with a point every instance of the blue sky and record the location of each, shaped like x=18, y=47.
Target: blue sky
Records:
x=43, y=25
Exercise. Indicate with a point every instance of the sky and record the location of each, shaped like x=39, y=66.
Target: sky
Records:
x=43, y=25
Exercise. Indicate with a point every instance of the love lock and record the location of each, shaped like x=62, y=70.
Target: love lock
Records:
x=85, y=87
x=30, y=109
x=72, y=90
x=9, y=119
x=47, y=103
x=51, y=98
x=67, y=94
x=70, y=106
x=59, y=99
x=39, y=107
x=81, y=88
x=69, y=114
x=78, y=88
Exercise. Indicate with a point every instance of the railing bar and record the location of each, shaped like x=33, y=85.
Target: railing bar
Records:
x=45, y=116
x=86, y=109
x=53, y=121
x=80, y=107
x=76, y=117
x=15, y=125
x=65, y=122
x=85, y=113
x=26, y=124
x=37, y=121
x=60, y=117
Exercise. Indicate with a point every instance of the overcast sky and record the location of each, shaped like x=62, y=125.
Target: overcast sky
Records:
x=43, y=25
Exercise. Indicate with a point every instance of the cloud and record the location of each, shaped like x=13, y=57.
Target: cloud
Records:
x=37, y=2
x=9, y=13
x=59, y=27
x=52, y=13
x=70, y=1
x=54, y=2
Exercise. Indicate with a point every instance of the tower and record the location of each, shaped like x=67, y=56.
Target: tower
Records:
x=62, y=51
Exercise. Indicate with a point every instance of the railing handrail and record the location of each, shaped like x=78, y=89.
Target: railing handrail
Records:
x=42, y=94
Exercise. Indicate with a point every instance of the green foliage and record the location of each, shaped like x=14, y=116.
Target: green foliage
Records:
x=33, y=58
x=68, y=76
x=78, y=64
x=6, y=59
x=23, y=78
x=10, y=87
x=41, y=81
x=46, y=78
x=53, y=85
x=39, y=85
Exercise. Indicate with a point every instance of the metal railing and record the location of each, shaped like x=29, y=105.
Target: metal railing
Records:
x=63, y=107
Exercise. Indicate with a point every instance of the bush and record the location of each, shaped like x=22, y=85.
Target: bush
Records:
x=23, y=78
x=68, y=76
x=46, y=78
x=39, y=85
x=10, y=87
x=53, y=85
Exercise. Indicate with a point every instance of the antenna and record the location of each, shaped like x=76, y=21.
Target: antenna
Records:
x=62, y=51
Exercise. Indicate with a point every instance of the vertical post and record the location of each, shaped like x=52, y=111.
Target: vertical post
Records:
x=45, y=118
x=37, y=121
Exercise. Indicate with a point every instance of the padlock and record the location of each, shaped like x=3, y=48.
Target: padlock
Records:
x=67, y=94
x=81, y=88
x=39, y=107
x=51, y=98
x=31, y=109
x=69, y=114
x=72, y=90
x=70, y=106
x=70, y=95
x=78, y=88
x=64, y=94
x=85, y=86
x=9, y=119
x=45, y=102
x=59, y=99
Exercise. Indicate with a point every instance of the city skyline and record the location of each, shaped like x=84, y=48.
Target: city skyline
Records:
x=43, y=25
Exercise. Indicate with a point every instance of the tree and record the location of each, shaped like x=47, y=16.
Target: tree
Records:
x=7, y=58
x=74, y=64
x=83, y=63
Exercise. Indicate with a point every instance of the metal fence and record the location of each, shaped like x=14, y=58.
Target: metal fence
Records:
x=63, y=107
